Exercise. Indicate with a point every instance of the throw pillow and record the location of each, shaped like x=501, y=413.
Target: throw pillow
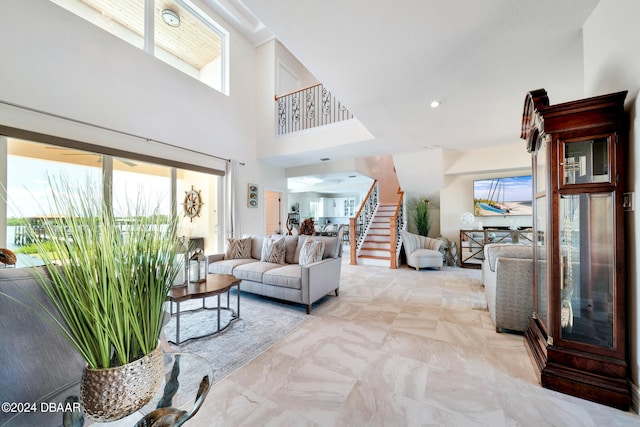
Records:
x=238, y=249
x=273, y=250
x=311, y=251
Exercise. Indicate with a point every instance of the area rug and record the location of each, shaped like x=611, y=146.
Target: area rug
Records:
x=263, y=322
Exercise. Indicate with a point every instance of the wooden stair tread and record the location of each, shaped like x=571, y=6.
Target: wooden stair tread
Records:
x=375, y=257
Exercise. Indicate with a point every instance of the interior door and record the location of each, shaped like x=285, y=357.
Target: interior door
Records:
x=272, y=212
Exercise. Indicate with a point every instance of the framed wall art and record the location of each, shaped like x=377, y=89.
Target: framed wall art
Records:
x=252, y=195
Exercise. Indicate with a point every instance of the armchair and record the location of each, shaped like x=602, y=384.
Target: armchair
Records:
x=422, y=251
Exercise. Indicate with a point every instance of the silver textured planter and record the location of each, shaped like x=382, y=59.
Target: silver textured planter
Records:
x=113, y=393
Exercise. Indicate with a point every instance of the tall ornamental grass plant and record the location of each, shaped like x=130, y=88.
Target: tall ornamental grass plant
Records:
x=421, y=215
x=109, y=278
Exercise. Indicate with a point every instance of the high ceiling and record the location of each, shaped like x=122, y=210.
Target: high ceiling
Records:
x=387, y=61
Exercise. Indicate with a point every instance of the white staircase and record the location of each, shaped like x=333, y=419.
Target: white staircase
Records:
x=376, y=247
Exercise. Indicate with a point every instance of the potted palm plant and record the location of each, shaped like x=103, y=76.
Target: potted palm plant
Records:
x=109, y=277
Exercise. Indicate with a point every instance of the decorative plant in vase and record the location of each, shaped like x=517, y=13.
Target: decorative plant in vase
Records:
x=421, y=215
x=109, y=279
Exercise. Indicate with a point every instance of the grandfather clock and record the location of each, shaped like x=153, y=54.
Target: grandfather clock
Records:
x=576, y=336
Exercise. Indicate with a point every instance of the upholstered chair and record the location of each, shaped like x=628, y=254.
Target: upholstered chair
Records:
x=422, y=251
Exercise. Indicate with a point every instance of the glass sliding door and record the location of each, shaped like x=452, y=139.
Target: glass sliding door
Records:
x=29, y=166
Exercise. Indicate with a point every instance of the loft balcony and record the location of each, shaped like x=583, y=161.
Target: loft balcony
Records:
x=308, y=108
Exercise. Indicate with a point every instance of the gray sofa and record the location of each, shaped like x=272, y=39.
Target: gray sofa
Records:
x=36, y=362
x=290, y=281
x=507, y=274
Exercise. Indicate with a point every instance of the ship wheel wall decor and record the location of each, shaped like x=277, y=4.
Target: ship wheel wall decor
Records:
x=192, y=203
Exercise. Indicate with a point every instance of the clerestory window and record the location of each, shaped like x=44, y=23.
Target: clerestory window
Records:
x=175, y=31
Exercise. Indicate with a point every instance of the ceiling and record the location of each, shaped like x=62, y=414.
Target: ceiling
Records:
x=193, y=41
x=387, y=61
x=330, y=183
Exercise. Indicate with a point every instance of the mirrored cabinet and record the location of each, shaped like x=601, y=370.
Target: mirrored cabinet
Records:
x=577, y=330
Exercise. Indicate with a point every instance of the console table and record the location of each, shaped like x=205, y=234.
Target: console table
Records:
x=472, y=242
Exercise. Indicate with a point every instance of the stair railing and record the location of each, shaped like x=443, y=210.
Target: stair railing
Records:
x=396, y=223
x=360, y=222
x=307, y=108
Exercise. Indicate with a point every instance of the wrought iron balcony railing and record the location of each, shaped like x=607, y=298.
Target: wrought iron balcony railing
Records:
x=308, y=108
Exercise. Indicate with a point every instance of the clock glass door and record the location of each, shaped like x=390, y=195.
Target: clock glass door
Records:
x=587, y=268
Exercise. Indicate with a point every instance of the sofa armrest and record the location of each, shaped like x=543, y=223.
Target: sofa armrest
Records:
x=214, y=258
x=513, y=293
x=320, y=278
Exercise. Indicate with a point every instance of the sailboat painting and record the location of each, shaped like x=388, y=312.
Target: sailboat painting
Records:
x=503, y=196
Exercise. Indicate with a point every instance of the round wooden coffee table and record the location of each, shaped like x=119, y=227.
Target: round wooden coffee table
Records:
x=216, y=285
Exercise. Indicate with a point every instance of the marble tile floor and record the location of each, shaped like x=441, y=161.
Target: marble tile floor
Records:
x=397, y=348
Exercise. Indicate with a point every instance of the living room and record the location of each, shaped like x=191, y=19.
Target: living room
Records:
x=61, y=65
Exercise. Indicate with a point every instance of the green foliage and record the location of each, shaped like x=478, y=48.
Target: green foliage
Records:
x=32, y=249
x=15, y=222
x=421, y=215
x=108, y=278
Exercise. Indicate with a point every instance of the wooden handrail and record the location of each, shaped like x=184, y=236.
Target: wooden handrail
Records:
x=401, y=193
x=393, y=237
x=276, y=97
x=366, y=197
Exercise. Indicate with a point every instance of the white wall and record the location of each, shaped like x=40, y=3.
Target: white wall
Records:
x=271, y=57
x=456, y=196
x=285, y=60
x=612, y=63
x=382, y=169
x=55, y=61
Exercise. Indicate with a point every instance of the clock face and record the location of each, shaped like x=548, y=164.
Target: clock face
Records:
x=192, y=203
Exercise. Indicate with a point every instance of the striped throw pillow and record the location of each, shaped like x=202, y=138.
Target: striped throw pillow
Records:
x=273, y=250
x=238, y=249
x=311, y=251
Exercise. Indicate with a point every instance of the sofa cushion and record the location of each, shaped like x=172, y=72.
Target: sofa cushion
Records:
x=256, y=245
x=238, y=249
x=273, y=250
x=227, y=266
x=425, y=258
x=331, y=246
x=311, y=251
x=493, y=251
x=290, y=245
x=287, y=276
x=253, y=271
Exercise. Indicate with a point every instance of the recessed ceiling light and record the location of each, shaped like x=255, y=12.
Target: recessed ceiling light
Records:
x=435, y=104
x=171, y=18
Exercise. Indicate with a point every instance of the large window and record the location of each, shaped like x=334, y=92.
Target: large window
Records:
x=138, y=182
x=177, y=32
x=130, y=181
